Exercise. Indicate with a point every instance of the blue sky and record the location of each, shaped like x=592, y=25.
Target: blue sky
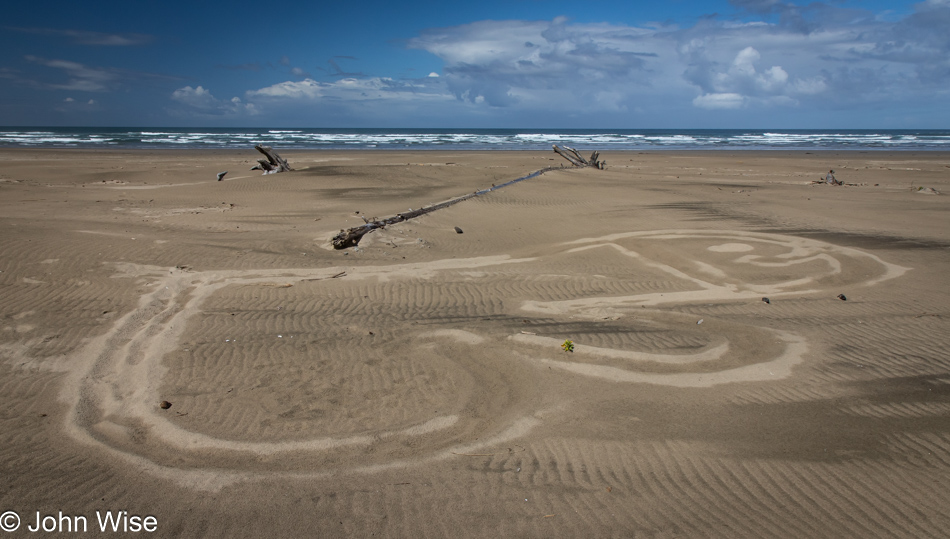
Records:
x=492, y=63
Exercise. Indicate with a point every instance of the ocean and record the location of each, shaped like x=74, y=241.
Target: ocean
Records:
x=475, y=139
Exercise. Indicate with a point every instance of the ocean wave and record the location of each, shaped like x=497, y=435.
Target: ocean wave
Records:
x=503, y=139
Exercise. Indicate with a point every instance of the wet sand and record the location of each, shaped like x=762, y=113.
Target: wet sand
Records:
x=416, y=385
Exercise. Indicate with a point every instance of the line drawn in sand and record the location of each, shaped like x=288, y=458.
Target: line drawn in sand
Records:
x=114, y=390
x=767, y=264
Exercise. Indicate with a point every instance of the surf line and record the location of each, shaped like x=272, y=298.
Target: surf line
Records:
x=352, y=236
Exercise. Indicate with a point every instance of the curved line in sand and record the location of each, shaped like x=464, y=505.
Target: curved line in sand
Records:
x=121, y=371
x=710, y=354
x=799, y=251
x=730, y=248
x=780, y=367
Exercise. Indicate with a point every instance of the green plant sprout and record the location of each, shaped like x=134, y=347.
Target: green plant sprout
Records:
x=568, y=346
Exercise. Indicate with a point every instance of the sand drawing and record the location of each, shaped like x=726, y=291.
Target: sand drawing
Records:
x=333, y=355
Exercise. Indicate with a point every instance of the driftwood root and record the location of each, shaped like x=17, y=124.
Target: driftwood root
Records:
x=274, y=162
x=578, y=160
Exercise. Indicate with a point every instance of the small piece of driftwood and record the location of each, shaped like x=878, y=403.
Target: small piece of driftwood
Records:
x=274, y=162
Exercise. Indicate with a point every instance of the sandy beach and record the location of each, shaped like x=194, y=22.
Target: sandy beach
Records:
x=755, y=355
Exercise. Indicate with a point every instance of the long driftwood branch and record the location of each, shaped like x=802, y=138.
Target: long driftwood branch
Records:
x=274, y=162
x=577, y=160
x=352, y=236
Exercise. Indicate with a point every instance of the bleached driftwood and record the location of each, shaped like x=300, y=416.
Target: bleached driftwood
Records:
x=577, y=160
x=352, y=236
x=274, y=162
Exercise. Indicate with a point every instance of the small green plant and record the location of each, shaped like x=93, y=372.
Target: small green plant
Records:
x=568, y=346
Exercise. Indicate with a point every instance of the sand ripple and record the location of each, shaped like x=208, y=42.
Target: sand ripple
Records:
x=306, y=371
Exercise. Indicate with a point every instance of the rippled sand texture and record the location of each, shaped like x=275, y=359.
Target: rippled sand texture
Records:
x=416, y=385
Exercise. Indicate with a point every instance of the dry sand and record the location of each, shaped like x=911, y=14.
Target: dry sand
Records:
x=415, y=386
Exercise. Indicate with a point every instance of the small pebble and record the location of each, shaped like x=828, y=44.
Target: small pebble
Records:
x=842, y=297
x=766, y=300
x=165, y=405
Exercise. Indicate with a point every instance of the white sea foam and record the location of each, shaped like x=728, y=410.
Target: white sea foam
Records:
x=477, y=139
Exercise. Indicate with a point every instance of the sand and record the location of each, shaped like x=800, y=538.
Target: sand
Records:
x=415, y=386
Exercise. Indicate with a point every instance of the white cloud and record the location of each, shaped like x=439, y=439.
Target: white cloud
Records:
x=199, y=100
x=742, y=77
x=307, y=88
x=81, y=77
x=819, y=54
x=352, y=89
x=817, y=57
x=541, y=64
x=365, y=101
x=720, y=101
x=196, y=97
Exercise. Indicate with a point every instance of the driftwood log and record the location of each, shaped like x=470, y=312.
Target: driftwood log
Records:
x=352, y=236
x=577, y=160
x=274, y=162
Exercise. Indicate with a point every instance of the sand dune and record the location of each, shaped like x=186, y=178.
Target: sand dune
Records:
x=416, y=386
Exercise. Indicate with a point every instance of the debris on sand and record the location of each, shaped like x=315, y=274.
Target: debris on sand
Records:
x=274, y=162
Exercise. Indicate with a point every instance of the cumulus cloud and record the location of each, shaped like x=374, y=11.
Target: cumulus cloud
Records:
x=502, y=63
x=742, y=81
x=778, y=56
x=366, y=101
x=819, y=54
x=195, y=97
x=199, y=100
